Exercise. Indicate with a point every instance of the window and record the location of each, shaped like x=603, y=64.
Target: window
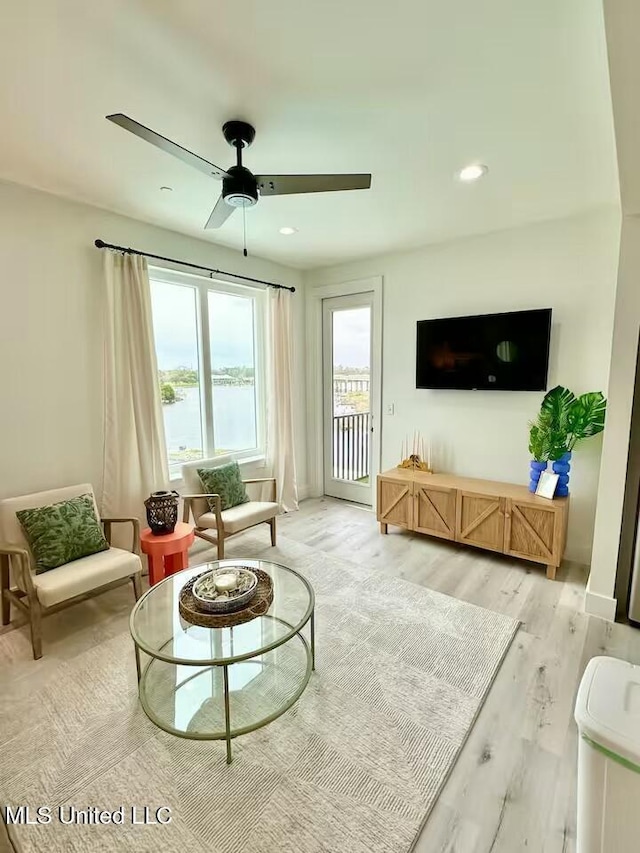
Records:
x=209, y=345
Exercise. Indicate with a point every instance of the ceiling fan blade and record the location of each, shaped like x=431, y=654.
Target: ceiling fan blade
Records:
x=219, y=215
x=285, y=184
x=167, y=145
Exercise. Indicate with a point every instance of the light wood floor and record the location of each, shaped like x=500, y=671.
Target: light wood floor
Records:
x=513, y=787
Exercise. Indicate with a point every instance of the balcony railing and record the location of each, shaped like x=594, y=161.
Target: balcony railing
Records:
x=351, y=446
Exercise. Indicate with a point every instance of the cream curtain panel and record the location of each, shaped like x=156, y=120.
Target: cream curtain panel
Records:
x=135, y=462
x=280, y=443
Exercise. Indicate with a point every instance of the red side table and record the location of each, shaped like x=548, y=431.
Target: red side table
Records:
x=168, y=553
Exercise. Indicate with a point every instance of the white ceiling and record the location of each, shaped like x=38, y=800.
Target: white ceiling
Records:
x=409, y=90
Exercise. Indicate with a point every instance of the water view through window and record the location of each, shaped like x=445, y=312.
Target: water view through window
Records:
x=232, y=387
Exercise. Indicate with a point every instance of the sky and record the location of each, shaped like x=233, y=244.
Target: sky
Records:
x=231, y=330
x=351, y=337
x=175, y=327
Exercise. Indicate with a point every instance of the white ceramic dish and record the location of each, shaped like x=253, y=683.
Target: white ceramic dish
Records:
x=214, y=601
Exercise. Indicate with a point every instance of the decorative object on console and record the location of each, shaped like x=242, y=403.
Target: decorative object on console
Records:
x=535, y=472
x=162, y=512
x=547, y=485
x=415, y=461
x=563, y=421
x=561, y=467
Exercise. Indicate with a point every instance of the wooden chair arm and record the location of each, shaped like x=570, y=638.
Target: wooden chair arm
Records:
x=271, y=480
x=23, y=560
x=203, y=495
x=217, y=508
x=135, y=544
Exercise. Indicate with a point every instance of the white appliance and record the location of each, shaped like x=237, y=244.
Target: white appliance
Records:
x=608, y=717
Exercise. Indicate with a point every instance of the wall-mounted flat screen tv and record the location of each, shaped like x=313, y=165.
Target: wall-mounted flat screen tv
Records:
x=490, y=352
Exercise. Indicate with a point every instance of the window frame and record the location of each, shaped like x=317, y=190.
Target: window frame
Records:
x=202, y=287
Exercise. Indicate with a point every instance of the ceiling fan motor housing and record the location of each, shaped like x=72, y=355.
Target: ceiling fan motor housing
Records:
x=240, y=189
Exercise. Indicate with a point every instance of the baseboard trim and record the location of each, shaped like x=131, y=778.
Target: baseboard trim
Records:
x=599, y=605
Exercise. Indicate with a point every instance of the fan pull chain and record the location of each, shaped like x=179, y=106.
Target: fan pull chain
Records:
x=244, y=230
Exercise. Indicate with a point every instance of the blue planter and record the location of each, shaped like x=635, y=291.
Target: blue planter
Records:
x=562, y=467
x=534, y=474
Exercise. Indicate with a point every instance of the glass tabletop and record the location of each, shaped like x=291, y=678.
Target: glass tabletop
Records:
x=158, y=629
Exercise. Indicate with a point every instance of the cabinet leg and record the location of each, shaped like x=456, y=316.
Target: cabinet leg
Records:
x=383, y=527
x=551, y=572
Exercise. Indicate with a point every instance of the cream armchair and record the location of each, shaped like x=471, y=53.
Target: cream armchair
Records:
x=38, y=594
x=219, y=524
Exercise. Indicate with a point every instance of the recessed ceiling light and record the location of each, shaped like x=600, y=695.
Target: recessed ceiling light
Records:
x=167, y=189
x=287, y=230
x=472, y=173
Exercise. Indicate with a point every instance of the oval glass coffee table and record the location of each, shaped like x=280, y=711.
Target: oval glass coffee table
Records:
x=219, y=683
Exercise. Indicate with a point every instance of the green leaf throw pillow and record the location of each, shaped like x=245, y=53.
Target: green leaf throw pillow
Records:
x=225, y=481
x=62, y=532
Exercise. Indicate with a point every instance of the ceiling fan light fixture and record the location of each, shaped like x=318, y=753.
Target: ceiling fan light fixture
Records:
x=287, y=230
x=473, y=172
x=240, y=200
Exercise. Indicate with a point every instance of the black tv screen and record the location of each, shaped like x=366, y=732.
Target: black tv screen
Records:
x=491, y=352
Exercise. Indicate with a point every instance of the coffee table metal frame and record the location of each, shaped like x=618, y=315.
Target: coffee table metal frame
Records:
x=158, y=654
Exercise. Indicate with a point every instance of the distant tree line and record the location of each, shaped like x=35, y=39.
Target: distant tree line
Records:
x=179, y=376
x=341, y=370
x=187, y=377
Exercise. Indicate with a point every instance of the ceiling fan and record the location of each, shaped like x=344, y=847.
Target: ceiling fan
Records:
x=240, y=187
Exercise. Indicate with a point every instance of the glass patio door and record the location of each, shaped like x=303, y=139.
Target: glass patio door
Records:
x=347, y=380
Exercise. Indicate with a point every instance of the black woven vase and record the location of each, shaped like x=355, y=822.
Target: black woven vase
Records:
x=162, y=512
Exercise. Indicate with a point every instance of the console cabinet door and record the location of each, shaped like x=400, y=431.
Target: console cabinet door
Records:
x=534, y=532
x=395, y=503
x=480, y=520
x=434, y=510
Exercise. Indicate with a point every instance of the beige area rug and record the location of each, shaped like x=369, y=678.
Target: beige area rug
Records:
x=354, y=767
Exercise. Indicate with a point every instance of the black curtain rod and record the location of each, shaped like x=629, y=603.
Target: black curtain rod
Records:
x=100, y=244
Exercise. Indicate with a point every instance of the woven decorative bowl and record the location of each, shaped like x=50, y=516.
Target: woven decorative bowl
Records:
x=212, y=600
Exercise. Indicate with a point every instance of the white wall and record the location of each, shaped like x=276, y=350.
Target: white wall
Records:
x=569, y=265
x=600, y=590
x=51, y=309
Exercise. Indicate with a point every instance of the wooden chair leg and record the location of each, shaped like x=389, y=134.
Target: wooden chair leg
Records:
x=35, y=617
x=220, y=547
x=4, y=585
x=272, y=525
x=137, y=584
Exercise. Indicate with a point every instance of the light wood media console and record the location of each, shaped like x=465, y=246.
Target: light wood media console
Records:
x=497, y=516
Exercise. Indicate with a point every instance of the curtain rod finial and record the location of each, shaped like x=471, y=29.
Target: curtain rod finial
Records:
x=99, y=244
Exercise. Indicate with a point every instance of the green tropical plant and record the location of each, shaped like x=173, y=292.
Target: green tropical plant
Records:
x=586, y=417
x=539, y=437
x=564, y=420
